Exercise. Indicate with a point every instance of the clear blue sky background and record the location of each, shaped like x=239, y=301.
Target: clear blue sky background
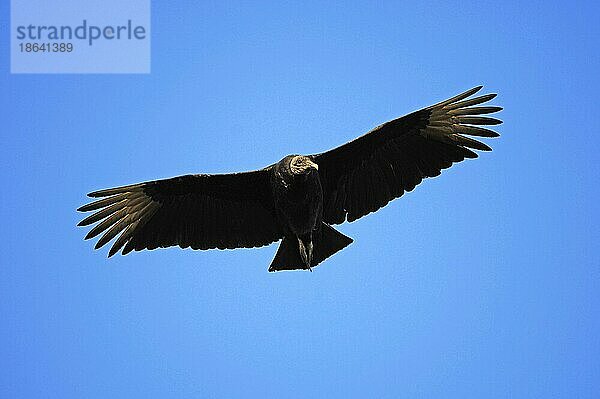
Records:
x=482, y=282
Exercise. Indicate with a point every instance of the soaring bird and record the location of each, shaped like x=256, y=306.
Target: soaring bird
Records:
x=297, y=199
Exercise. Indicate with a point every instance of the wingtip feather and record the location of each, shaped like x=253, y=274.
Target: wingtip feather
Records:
x=458, y=97
x=115, y=190
x=112, y=252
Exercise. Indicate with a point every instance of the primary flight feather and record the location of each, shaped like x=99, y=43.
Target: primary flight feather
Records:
x=298, y=198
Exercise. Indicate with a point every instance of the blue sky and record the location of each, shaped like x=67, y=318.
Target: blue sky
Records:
x=482, y=282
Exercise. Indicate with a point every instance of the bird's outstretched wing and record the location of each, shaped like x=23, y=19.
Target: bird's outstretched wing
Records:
x=365, y=174
x=198, y=211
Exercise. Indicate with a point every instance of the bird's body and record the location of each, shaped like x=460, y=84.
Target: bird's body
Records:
x=298, y=196
x=297, y=199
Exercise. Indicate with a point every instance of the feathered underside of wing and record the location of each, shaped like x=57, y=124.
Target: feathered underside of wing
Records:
x=197, y=211
x=365, y=174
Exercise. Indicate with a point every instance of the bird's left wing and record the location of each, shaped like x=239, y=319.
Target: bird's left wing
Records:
x=199, y=211
x=363, y=175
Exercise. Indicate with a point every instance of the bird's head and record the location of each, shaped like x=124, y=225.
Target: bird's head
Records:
x=301, y=165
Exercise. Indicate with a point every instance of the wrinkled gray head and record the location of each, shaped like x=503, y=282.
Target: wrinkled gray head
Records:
x=300, y=165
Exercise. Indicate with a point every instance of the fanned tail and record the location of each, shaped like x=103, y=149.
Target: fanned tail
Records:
x=326, y=242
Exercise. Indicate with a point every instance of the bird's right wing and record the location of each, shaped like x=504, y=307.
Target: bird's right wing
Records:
x=199, y=211
x=365, y=174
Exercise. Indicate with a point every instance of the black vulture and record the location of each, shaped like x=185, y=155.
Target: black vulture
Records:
x=297, y=199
